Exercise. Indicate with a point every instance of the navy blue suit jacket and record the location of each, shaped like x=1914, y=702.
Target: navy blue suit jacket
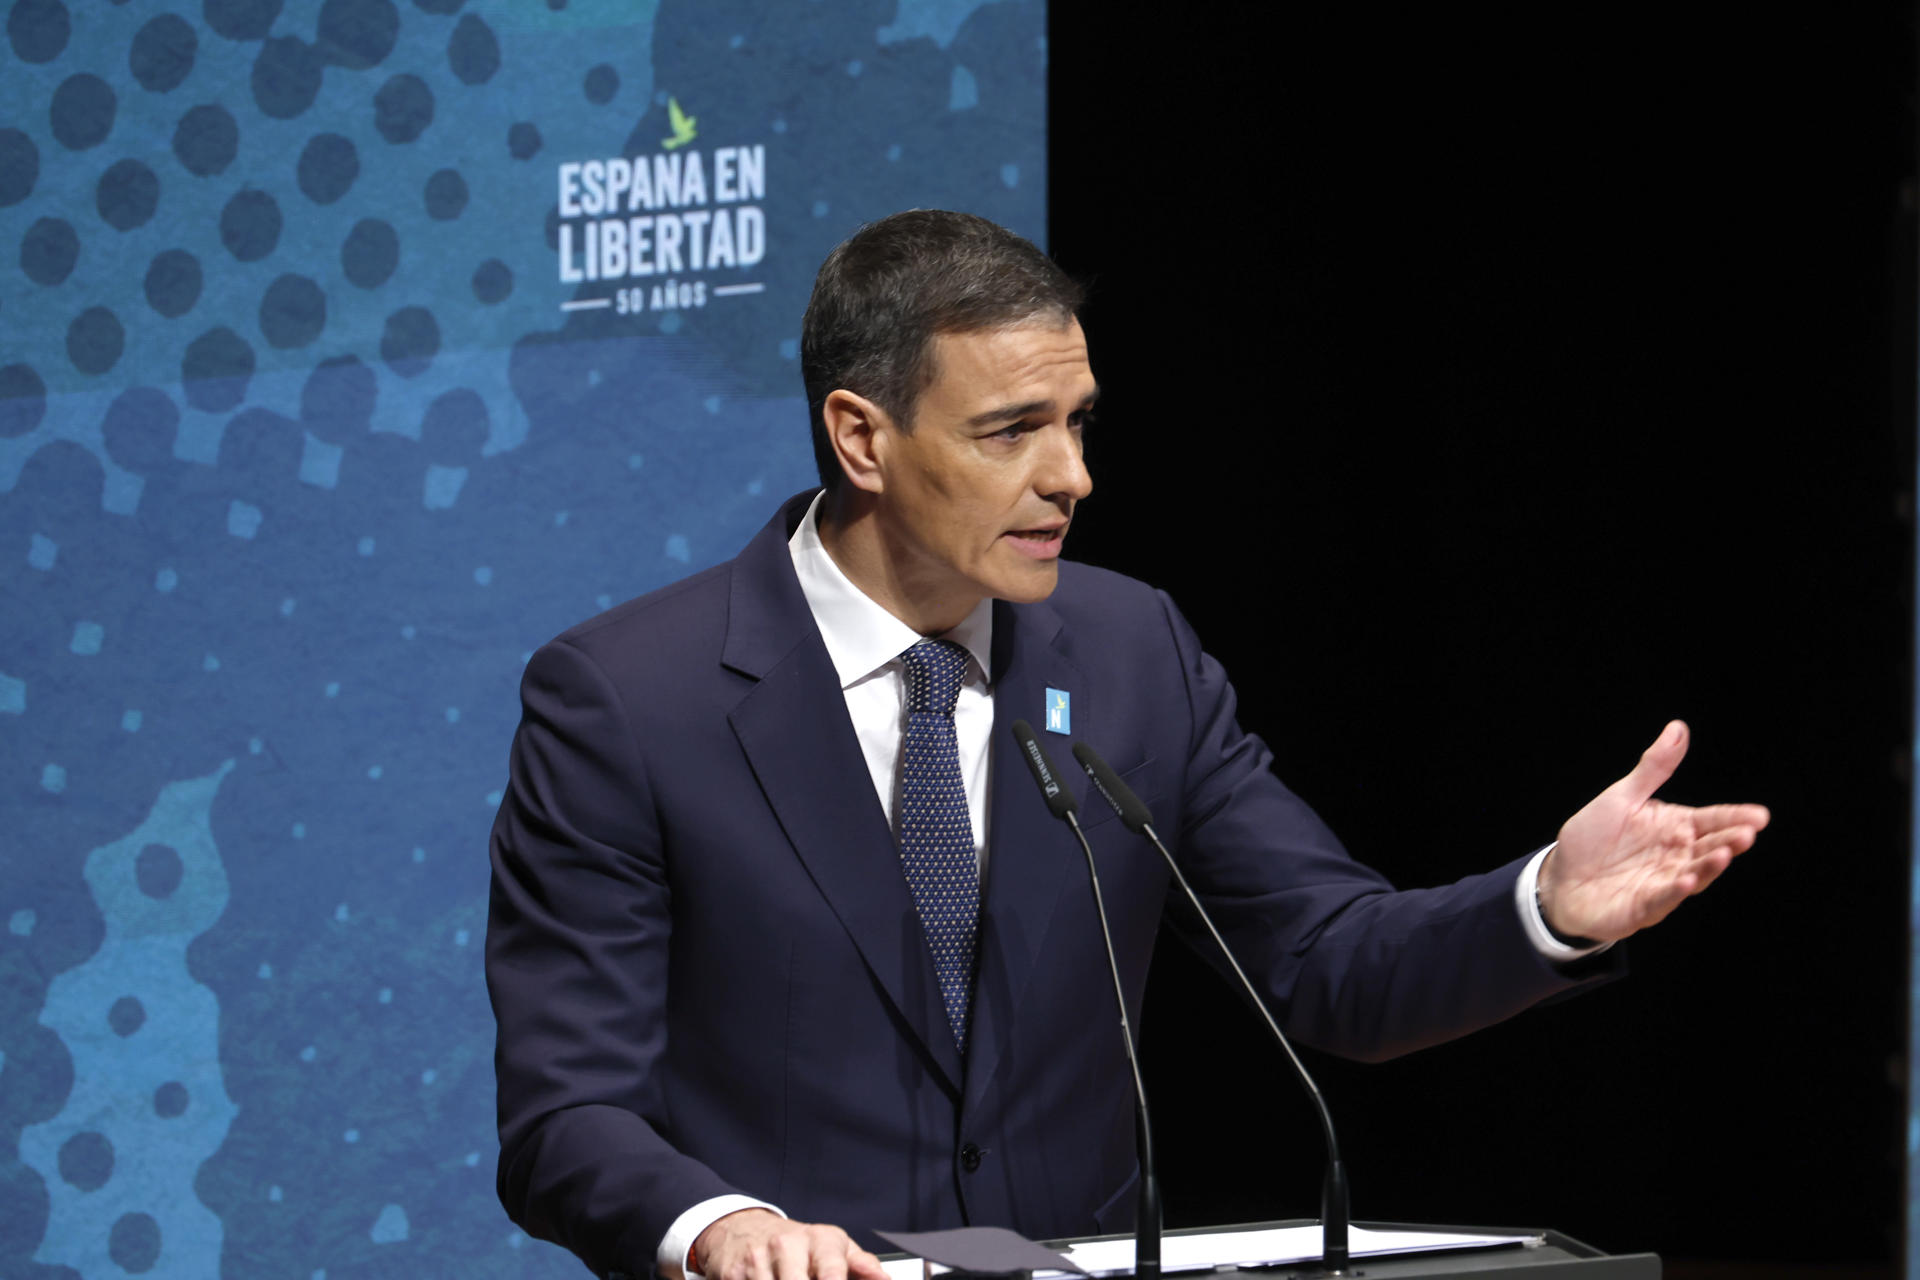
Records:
x=708, y=972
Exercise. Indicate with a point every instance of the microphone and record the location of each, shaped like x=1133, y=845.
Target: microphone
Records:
x=1137, y=818
x=1060, y=801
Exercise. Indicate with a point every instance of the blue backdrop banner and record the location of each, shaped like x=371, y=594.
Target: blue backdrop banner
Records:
x=353, y=348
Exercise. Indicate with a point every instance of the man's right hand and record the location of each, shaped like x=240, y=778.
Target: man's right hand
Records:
x=754, y=1244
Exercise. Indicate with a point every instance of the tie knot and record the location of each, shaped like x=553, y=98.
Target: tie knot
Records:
x=935, y=669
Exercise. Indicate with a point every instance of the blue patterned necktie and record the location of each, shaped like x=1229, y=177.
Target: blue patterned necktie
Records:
x=936, y=833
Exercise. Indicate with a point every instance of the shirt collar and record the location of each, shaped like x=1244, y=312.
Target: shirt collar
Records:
x=861, y=635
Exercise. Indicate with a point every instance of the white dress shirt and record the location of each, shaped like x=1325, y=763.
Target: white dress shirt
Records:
x=865, y=642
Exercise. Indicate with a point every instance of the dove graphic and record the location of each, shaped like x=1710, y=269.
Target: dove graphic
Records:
x=683, y=126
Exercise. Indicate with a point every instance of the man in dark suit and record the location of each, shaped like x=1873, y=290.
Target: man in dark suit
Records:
x=776, y=918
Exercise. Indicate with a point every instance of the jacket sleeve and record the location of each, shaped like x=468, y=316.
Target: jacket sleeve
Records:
x=1347, y=963
x=576, y=957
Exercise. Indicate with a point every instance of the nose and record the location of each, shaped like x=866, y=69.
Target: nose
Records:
x=1063, y=472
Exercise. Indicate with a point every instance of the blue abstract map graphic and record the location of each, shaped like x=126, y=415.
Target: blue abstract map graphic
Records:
x=309, y=435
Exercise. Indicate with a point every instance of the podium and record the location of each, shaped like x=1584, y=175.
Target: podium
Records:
x=1558, y=1257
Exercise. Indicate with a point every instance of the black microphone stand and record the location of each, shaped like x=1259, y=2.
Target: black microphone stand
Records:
x=1334, y=1204
x=1146, y=1237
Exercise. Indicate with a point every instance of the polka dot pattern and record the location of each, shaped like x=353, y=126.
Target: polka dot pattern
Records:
x=172, y=282
x=286, y=77
x=82, y=112
x=20, y=166
x=358, y=34
x=127, y=195
x=328, y=166
x=936, y=833
x=162, y=53
x=287, y=374
x=38, y=30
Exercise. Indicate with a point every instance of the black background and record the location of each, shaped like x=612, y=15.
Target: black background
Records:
x=1488, y=389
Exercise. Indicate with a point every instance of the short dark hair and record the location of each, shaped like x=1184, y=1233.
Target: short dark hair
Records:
x=883, y=294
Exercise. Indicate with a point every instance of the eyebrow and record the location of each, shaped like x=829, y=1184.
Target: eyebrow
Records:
x=1013, y=412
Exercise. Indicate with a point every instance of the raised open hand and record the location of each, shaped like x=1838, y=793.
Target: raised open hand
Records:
x=1626, y=860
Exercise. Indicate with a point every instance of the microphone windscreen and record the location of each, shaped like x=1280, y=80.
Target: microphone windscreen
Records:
x=1059, y=799
x=1132, y=811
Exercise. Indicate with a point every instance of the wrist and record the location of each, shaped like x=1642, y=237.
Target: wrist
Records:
x=702, y=1248
x=697, y=1253
x=1542, y=903
x=709, y=1238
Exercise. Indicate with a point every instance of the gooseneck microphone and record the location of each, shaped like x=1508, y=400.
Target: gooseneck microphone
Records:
x=1146, y=1231
x=1139, y=819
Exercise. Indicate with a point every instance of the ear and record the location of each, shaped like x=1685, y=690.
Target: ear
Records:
x=854, y=426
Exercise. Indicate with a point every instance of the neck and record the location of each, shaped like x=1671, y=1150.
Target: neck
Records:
x=892, y=575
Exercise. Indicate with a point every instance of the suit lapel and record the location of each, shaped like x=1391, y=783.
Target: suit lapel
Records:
x=1032, y=857
x=794, y=729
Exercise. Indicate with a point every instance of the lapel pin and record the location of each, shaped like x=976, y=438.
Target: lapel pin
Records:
x=1059, y=711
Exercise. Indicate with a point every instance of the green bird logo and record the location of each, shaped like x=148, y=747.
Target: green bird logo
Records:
x=683, y=126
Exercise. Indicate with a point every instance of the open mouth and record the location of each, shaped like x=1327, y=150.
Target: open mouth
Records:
x=1041, y=544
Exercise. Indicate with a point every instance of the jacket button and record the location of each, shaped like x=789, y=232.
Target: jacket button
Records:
x=970, y=1157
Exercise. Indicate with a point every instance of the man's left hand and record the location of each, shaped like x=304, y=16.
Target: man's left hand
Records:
x=1626, y=860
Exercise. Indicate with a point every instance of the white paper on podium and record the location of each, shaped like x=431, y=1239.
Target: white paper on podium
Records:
x=1273, y=1246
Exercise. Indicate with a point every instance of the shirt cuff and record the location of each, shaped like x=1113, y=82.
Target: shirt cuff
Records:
x=674, y=1256
x=1526, y=897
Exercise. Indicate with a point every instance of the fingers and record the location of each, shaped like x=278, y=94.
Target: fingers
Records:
x=1660, y=902
x=1706, y=868
x=864, y=1266
x=1657, y=763
x=836, y=1256
x=1702, y=871
x=833, y=1255
x=1732, y=839
x=831, y=1263
x=792, y=1254
x=1724, y=829
x=1715, y=817
x=753, y=1244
